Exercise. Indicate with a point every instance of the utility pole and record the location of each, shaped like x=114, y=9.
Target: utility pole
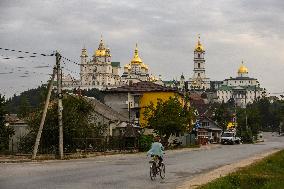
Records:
x=43, y=114
x=60, y=107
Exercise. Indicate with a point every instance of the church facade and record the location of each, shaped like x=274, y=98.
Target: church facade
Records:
x=137, y=71
x=243, y=89
x=99, y=72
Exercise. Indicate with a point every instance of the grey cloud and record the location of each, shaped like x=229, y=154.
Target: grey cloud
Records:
x=166, y=32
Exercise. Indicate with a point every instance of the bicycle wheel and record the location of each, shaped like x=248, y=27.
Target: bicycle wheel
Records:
x=152, y=171
x=162, y=171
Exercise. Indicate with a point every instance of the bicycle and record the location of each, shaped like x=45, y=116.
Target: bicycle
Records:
x=155, y=170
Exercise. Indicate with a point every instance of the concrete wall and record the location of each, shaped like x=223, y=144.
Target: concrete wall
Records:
x=118, y=102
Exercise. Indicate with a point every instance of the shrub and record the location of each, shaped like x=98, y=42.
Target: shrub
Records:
x=145, y=142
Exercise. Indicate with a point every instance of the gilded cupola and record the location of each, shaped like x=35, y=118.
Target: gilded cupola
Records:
x=136, y=59
x=127, y=66
x=102, y=51
x=243, y=69
x=144, y=66
x=199, y=47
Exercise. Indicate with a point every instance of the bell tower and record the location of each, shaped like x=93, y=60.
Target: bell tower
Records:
x=199, y=61
x=199, y=79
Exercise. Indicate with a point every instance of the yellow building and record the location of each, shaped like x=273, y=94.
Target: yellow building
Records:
x=131, y=100
x=148, y=97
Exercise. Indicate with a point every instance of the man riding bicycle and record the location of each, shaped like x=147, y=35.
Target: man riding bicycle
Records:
x=157, y=149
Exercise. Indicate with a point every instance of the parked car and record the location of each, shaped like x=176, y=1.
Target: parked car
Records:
x=229, y=137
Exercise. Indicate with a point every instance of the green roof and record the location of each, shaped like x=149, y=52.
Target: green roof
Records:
x=115, y=64
x=225, y=88
x=249, y=88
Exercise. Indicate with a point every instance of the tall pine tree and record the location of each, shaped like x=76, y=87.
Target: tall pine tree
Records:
x=5, y=131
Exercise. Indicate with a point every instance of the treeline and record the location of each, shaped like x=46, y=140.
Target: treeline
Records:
x=261, y=115
x=28, y=101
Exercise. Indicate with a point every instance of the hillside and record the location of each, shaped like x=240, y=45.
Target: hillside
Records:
x=34, y=98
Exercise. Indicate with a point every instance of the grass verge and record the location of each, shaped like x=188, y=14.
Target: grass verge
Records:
x=265, y=174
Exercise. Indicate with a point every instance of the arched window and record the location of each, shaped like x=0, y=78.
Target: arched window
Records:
x=198, y=65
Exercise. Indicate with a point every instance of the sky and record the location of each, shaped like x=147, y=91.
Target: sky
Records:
x=166, y=31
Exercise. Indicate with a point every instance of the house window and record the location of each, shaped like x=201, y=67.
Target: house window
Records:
x=198, y=55
x=205, y=124
x=198, y=65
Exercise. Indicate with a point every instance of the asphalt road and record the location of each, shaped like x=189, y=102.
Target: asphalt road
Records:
x=127, y=171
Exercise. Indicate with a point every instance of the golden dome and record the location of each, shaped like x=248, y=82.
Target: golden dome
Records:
x=102, y=51
x=199, y=47
x=144, y=66
x=136, y=59
x=243, y=69
x=127, y=66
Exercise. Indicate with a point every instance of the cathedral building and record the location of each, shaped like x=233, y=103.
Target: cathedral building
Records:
x=199, y=81
x=99, y=72
x=136, y=70
x=243, y=89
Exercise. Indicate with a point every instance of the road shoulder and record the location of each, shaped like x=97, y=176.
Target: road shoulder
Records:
x=223, y=171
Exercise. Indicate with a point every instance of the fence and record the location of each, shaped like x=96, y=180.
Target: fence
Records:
x=99, y=144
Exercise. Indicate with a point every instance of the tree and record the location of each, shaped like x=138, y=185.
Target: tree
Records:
x=77, y=124
x=33, y=98
x=222, y=115
x=5, y=131
x=24, y=107
x=168, y=117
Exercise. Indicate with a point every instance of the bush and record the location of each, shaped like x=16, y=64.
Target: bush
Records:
x=145, y=142
x=247, y=137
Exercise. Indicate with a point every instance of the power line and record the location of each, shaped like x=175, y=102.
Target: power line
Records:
x=21, y=57
x=68, y=69
x=26, y=52
x=70, y=60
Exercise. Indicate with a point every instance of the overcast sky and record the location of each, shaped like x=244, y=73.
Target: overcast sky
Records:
x=166, y=32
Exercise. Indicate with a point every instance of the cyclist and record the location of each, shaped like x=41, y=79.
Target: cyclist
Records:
x=157, y=149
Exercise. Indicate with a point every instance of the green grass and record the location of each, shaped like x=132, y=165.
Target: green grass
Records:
x=266, y=174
